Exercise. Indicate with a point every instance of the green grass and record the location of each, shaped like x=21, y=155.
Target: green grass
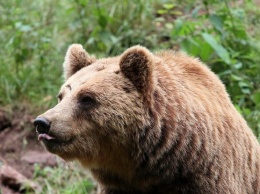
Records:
x=31, y=59
x=35, y=34
x=64, y=179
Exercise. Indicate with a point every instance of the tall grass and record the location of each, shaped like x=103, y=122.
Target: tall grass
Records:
x=31, y=52
x=63, y=179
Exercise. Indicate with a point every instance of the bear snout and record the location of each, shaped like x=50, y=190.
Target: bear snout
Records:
x=42, y=125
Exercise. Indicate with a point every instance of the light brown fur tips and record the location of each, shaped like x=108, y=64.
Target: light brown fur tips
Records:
x=76, y=58
x=151, y=123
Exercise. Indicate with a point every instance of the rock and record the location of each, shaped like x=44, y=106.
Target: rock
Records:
x=16, y=182
x=42, y=158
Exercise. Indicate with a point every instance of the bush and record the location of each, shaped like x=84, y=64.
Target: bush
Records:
x=221, y=34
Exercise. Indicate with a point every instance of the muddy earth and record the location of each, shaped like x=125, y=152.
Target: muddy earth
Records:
x=20, y=151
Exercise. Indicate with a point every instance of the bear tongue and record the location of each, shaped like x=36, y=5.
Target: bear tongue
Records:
x=45, y=136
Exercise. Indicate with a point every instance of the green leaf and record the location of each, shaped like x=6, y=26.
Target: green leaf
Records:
x=246, y=111
x=190, y=46
x=235, y=77
x=25, y=28
x=195, y=11
x=178, y=25
x=238, y=65
x=220, y=50
x=162, y=11
x=176, y=12
x=83, y=2
x=256, y=98
x=216, y=22
x=238, y=108
x=243, y=84
x=102, y=20
x=168, y=5
x=245, y=90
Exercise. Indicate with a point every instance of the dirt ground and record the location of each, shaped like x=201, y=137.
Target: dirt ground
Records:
x=19, y=147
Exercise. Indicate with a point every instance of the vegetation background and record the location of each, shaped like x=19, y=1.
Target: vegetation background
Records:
x=34, y=36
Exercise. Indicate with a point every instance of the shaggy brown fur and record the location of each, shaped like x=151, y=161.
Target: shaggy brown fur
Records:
x=152, y=123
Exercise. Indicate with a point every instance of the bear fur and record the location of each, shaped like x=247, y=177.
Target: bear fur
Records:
x=152, y=123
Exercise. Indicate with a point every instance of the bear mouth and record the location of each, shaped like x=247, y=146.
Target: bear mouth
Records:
x=48, y=138
x=51, y=140
x=45, y=136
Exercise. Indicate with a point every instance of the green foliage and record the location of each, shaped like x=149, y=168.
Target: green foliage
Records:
x=108, y=28
x=221, y=34
x=64, y=179
x=35, y=35
x=28, y=55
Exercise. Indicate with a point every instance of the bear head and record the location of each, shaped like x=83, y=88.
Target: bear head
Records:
x=101, y=106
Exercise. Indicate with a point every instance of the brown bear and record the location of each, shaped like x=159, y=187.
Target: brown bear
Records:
x=151, y=123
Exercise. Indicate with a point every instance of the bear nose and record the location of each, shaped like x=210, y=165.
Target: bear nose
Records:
x=42, y=125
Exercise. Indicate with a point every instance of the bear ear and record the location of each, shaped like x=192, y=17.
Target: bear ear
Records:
x=136, y=65
x=76, y=58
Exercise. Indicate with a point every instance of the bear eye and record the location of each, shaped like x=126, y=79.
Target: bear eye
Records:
x=87, y=101
x=60, y=96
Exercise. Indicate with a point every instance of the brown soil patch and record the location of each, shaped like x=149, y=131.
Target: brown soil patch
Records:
x=19, y=147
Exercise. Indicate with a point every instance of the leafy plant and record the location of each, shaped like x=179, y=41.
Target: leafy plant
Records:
x=27, y=54
x=219, y=33
x=66, y=178
x=109, y=28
